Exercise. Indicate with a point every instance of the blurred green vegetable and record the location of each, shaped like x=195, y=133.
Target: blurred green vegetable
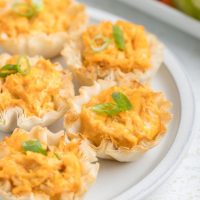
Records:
x=191, y=7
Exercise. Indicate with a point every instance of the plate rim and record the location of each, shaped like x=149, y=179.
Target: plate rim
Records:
x=166, y=167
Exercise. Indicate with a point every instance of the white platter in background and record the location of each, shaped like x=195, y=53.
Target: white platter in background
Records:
x=118, y=181
x=167, y=14
x=136, y=180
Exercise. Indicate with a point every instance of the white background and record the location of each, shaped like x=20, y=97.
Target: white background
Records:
x=184, y=184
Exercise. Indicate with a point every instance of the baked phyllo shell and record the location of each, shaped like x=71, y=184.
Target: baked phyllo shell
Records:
x=106, y=146
x=42, y=42
x=15, y=115
x=73, y=53
x=78, y=174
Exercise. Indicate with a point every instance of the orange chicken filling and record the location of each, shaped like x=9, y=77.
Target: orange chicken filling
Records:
x=135, y=56
x=56, y=16
x=29, y=172
x=127, y=128
x=36, y=93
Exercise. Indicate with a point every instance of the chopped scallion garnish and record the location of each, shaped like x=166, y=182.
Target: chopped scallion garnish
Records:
x=103, y=40
x=34, y=146
x=109, y=109
x=38, y=4
x=122, y=101
x=118, y=37
x=28, y=10
x=121, y=104
x=24, y=65
x=24, y=10
x=8, y=70
x=56, y=155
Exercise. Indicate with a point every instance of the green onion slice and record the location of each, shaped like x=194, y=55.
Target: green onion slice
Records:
x=38, y=4
x=23, y=65
x=104, y=45
x=57, y=156
x=118, y=37
x=24, y=10
x=109, y=109
x=28, y=10
x=34, y=146
x=8, y=70
x=121, y=104
x=122, y=101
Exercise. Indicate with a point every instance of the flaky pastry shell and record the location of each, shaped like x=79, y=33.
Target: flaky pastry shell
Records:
x=72, y=53
x=88, y=161
x=15, y=117
x=43, y=44
x=106, y=149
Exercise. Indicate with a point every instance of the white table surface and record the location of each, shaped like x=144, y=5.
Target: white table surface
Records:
x=184, y=183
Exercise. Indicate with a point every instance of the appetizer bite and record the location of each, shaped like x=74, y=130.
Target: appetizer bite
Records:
x=33, y=91
x=39, y=27
x=114, y=50
x=120, y=121
x=41, y=165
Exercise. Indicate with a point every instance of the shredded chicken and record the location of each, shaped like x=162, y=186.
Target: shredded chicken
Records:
x=58, y=172
x=136, y=54
x=35, y=92
x=56, y=16
x=127, y=128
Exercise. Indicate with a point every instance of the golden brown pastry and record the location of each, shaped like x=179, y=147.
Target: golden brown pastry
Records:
x=120, y=121
x=39, y=27
x=40, y=165
x=33, y=91
x=113, y=51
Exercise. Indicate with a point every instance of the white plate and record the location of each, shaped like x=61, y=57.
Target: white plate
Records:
x=135, y=180
x=167, y=14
